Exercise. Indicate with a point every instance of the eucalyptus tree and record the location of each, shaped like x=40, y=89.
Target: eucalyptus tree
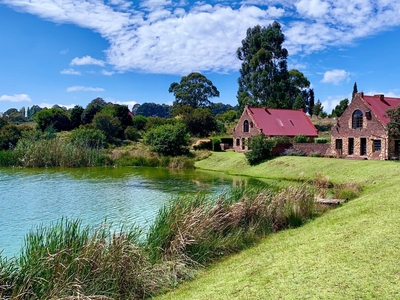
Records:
x=194, y=90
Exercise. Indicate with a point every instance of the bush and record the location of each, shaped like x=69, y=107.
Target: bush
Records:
x=281, y=139
x=203, y=145
x=216, y=144
x=320, y=140
x=91, y=138
x=139, y=122
x=168, y=139
x=301, y=139
x=132, y=134
x=260, y=149
x=109, y=125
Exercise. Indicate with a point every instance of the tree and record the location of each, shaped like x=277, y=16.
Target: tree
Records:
x=340, y=108
x=311, y=102
x=89, y=138
x=76, y=116
x=355, y=90
x=110, y=126
x=264, y=77
x=393, y=127
x=53, y=117
x=91, y=109
x=318, y=109
x=9, y=136
x=123, y=114
x=299, y=103
x=260, y=149
x=220, y=108
x=153, y=110
x=199, y=122
x=193, y=90
x=139, y=122
x=168, y=139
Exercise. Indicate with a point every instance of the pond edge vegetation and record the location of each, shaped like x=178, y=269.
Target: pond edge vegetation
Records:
x=67, y=259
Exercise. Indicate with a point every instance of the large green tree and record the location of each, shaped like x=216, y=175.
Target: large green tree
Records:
x=53, y=117
x=194, y=90
x=340, y=108
x=264, y=78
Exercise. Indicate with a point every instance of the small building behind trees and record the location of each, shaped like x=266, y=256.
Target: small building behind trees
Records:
x=271, y=122
x=369, y=128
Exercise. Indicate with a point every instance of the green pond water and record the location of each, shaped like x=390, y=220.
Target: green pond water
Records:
x=31, y=197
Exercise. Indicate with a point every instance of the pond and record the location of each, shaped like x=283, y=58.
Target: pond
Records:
x=31, y=197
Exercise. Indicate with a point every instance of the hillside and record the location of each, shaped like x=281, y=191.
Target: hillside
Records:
x=351, y=252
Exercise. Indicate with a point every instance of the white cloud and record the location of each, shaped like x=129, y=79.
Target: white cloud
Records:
x=63, y=52
x=312, y=8
x=86, y=60
x=330, y=103
x=79, y=88
x=15, y=98
x=335, y=76
x=70, y=72
x=130, y=104
x=107, y=73
x=172, y=37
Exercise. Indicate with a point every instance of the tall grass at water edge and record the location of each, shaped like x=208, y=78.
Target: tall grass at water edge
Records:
x=52, y=153
x=72, y=261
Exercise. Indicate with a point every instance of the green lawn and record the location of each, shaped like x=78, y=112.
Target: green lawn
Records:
x=352, y=252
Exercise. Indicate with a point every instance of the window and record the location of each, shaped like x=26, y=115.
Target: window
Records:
x=358, y=119
x=291, y=122
x=246, y=126
x=237, y=142
x=377, y=145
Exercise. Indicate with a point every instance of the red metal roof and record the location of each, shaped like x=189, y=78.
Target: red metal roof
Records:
x=379, y=104
x=286, y=122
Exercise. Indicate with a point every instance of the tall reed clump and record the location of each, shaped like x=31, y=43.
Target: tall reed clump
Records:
x=199, y=229
x=67, y=259
x=56, y=152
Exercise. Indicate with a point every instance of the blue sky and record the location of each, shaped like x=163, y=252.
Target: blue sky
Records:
x=69, y=52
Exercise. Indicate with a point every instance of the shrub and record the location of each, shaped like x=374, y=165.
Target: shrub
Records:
x=292, y=152
x=139, y=122
x=260, y=149
x=91, y=138
x=320, y=140
x=203, y=145
x=109, y=125
x=132, y=134
x=216, y=144
x=9, y=136
x=281, y=139
x=302, y=138
x=168, y=139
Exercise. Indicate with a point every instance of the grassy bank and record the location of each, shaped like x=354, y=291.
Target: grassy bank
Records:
x=351, y=252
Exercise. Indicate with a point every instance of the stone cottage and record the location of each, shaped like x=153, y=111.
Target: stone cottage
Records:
x=360, y=132
x=271, y=122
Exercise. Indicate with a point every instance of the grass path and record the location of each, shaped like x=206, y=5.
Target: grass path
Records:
x=352, y=252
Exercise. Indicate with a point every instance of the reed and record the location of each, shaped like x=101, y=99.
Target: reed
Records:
x=71, y=261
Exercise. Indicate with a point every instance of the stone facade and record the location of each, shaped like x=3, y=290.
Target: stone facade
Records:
x=360, y=134
x=242, y=133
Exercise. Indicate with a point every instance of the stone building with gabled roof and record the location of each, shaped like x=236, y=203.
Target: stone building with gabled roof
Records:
x=360, y=133
x=271, y=122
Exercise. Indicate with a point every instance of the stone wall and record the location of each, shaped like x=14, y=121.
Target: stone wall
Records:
x=308, y=148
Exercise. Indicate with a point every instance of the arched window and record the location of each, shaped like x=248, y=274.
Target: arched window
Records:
x=246, y=126
x=358, y=119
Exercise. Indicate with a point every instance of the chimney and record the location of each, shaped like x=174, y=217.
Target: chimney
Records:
x=362, y=94
x=381, y=97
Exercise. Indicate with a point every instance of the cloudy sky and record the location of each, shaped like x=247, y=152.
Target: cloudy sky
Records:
x=69, y=52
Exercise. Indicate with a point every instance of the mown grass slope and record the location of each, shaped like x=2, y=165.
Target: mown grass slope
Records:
x=351, y=252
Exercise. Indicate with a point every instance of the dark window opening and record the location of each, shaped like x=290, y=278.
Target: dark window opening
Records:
x=237, y=142
x=351, y=146
x=339, y=146
x=291, y=122
x=243, y=143
x=377, y=145
x=363, y=146
x=357, y=119
x=246, y=126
